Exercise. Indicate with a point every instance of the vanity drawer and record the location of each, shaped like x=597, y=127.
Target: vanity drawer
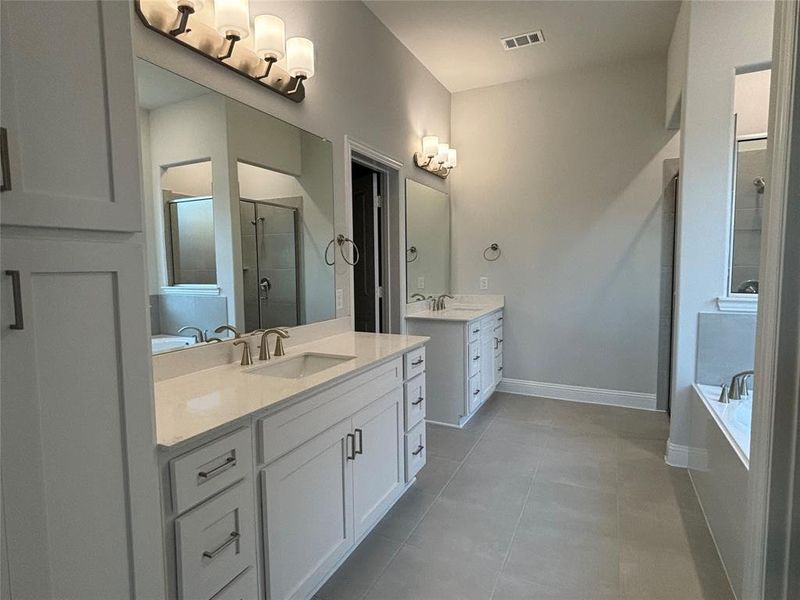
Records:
x=474, y=331
x=498, y=339
x=415, y=450
x=498, y=368
x=294, y=425
x=215, y=542
x=474, y=392
x=244, y=587
x=414, y=401
x=474, y=358
x=498, y=319
x=203, y=472
x=414, y=362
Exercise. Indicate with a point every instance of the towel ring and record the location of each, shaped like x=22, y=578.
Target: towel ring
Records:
x=493, y=247
x=340, y=240
x=411, y=252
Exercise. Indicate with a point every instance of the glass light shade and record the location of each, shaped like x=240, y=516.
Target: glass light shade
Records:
x=452, y=158
x=232, y=17
x=300, y=57
x=195, y=5
x=442, y=154
x=430, y=145
x=270, y=37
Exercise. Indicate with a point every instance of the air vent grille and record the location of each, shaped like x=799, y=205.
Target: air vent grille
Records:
x=515, y=42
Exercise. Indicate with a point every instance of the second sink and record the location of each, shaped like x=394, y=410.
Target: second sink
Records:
x=301, y=366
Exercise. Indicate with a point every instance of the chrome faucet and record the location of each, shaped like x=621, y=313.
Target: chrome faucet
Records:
x=738, y=388
x=231, y=328
x=281, y=333
x=247, y=358
x=199, y=337
x=438, y=303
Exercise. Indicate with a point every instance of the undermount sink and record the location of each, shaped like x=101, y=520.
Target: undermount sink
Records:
x=302, y=365
x=463, y=308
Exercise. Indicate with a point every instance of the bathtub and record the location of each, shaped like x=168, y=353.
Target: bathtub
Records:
x=719, y=458
x=165, y=343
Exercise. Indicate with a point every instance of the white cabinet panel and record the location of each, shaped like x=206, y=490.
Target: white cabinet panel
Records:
x=487, y=363
x=475, y=393
x=80, y=480
x=378, y=465
x=415, y=451
x=307, y=510
x=474, y=358
x=414, y=362
x=69, y=110
x=215, y=542
x=415, y=393
x=244, y=587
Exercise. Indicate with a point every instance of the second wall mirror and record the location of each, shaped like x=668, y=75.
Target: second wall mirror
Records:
x=427, y=242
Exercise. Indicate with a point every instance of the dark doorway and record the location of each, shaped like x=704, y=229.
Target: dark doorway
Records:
x=368, y=234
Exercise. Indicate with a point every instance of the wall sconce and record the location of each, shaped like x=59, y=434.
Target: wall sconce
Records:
x=219, y=41
x=437, y=158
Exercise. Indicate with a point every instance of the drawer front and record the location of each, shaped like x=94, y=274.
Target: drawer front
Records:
x=414, y=401
x=498, y=339
x=244, y=587
x=474, y=331
x=415, y=451
x=414, y=362
x=498, y=319
x=474, y=392
x=203, y=472
x=498, y=368
x=215, y=542
x=474, y=358
x=291, y=427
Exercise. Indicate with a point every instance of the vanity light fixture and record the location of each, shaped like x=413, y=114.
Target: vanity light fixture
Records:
x=436, y=157
x=217, y=33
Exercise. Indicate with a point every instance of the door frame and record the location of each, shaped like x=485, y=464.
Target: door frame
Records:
x=774, y=490
x=392, y=230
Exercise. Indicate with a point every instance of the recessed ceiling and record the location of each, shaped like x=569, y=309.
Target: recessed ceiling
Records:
x=459, y=41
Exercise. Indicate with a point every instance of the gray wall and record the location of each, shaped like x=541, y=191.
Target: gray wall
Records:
x=565, y=173
x=389, y=101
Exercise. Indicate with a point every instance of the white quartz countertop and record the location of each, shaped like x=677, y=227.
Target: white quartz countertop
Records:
x=193, y=404
x=457, y=312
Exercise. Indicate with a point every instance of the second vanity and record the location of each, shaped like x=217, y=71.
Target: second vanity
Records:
x=273, y=473
x=465, y=357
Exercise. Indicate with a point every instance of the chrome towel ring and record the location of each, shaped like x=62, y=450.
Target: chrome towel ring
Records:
x=411, y=254
x=494, y=249
x=341, y=240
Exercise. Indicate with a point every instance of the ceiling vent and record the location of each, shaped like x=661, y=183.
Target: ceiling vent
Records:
x=523, y=39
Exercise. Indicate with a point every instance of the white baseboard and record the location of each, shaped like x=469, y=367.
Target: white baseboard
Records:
x=677, y=455
x=574, y=393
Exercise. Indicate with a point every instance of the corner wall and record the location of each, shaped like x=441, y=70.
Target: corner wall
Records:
x=565, y=173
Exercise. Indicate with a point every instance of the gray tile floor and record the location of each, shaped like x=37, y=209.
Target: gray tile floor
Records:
x=541, y=499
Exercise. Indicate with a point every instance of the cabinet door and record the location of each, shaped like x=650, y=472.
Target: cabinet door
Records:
x=80, y=481
x=487, y=363
x=69, y=111
x=378, y=472
x=307, y=512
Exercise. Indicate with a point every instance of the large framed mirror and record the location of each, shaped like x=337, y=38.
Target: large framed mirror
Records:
x=427, y=242
x=239, y=211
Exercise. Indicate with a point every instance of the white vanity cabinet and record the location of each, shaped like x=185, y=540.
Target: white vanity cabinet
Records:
x=307, y=480
x=464, y=362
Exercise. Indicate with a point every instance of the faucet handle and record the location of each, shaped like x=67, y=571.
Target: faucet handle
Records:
x=247, y=358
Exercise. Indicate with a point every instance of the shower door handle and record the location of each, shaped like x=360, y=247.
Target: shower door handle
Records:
x=264, y=286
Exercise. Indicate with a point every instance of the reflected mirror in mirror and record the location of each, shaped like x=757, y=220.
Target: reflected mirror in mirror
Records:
x=239, y=211
x=751, y=101
x=427, y=241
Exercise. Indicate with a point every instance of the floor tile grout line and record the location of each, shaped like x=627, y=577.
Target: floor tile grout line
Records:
x=427, y=510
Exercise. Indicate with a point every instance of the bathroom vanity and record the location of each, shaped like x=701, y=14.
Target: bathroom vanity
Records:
x=273, y=473
x=465, y=357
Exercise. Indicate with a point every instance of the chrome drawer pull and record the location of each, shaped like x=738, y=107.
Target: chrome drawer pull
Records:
x=476, y=331
x=16, y=291
x=5, y=165
x=417, y=401
x=229, y=462
x=234, y=536
x=499, y=318
x=419, y=449
x=476, y=392
x=360, y=438
x=499, y=368
x=417, y=363
x=350, y=441
x=476, y=357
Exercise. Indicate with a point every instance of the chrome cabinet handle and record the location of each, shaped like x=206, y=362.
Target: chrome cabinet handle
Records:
x=16, y=290
x=496, y=343
x=5, y=163
x=350, y=440
x=476, y=357
x=234, y=536
x=499, y=318
x=476, y=331
x=476, y=392
x=419, y=449
x=417, y=363
x=360, y=438
x=499, y=368
x=229, y=463
x=417, y=401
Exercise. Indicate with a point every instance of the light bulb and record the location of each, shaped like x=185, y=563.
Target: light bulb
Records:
x=269, y=37
x=232, y=18
x=300, y=57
